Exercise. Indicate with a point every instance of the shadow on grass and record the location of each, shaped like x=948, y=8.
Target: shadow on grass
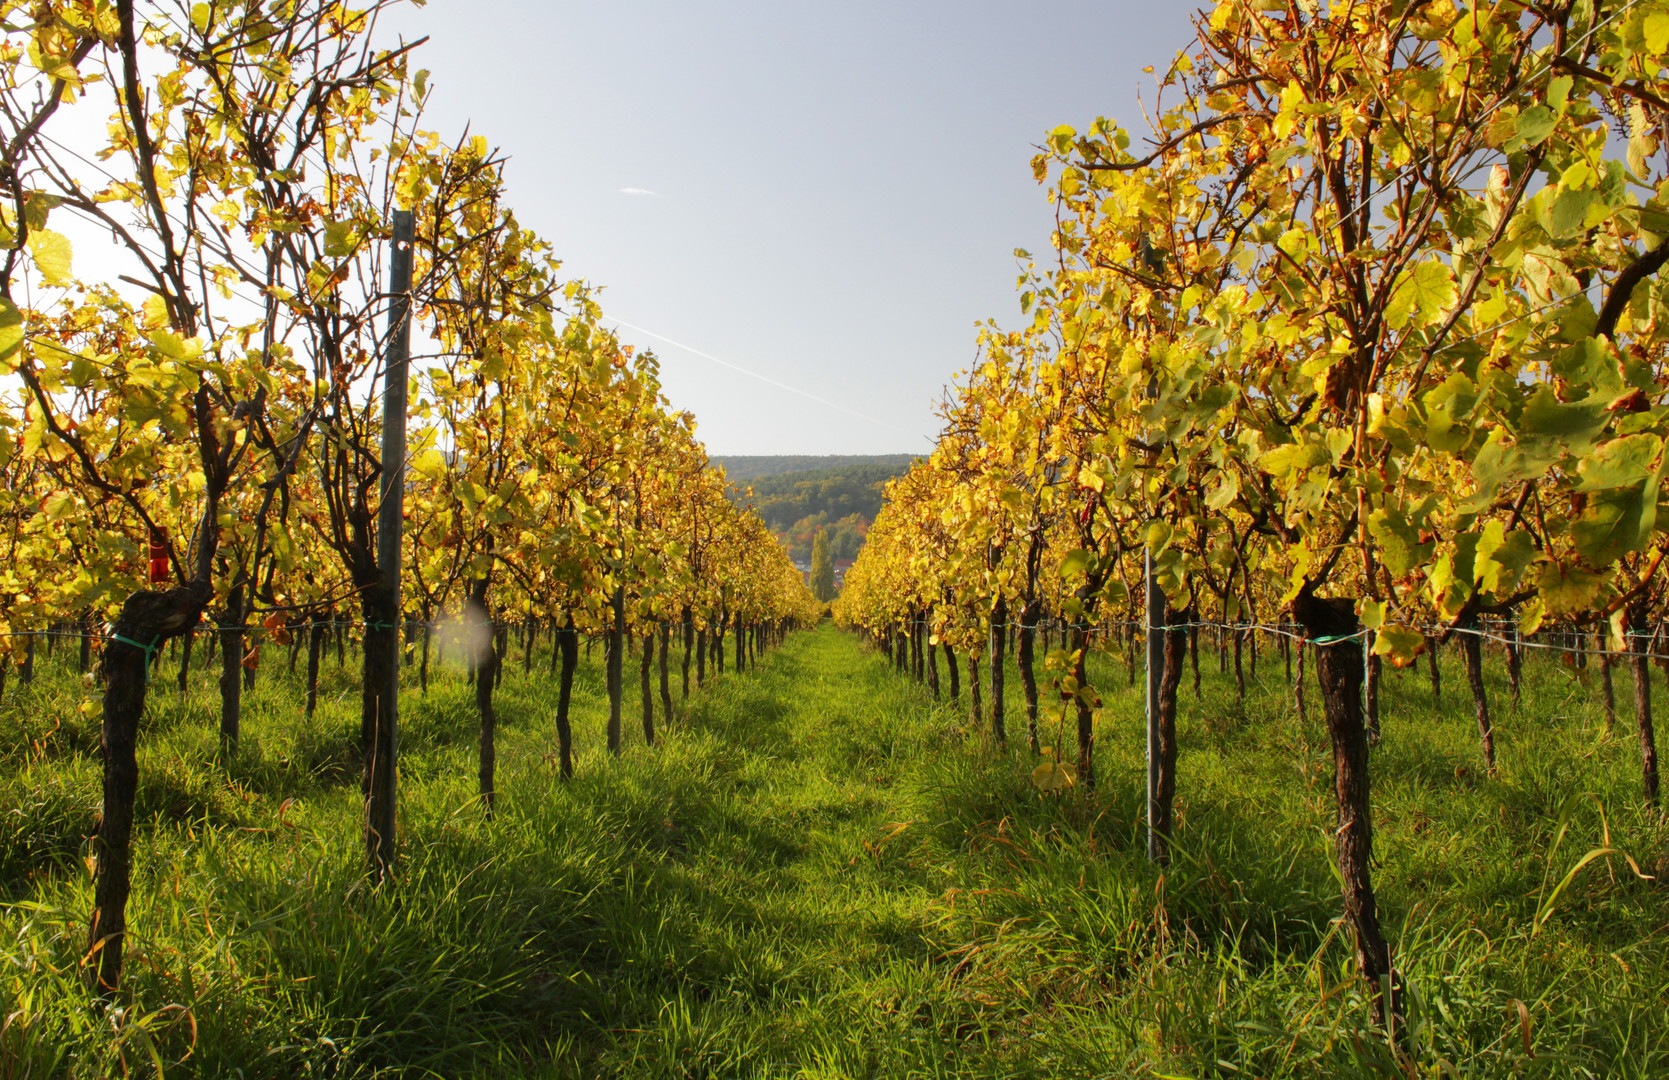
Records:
x=819, y=872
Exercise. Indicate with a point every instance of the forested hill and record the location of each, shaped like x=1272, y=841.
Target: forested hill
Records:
x=745, y=468
x=854, y=489
x=805, y=494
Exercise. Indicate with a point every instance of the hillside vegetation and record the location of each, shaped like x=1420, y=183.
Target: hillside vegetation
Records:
x=795, y=503
x=852, y=489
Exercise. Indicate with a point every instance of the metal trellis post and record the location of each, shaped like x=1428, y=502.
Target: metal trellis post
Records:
x=1155, y=672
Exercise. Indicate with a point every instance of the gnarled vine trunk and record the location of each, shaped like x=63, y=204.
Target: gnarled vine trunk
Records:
x=999, y=638
x=1471, y=644
x=1164, y=796
x=315, y=644
x=146, y=621
x=1028, y=674
x=568, y=644
x=616, y=660
x=1078, y=642
x=1436, y=672
x=689, y=645
x=1332, y=624
x=932, y=655
x=1639, y=657
x=487, y=670
x=1608, y=693
x=644, y=690
x=231, y=670
x=666, y=686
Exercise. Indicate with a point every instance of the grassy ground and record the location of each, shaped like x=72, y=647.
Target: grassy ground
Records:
x=820, y=873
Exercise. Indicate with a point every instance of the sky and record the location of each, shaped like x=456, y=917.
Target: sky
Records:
x=827, y=196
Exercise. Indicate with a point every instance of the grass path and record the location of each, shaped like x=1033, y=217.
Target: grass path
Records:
x=819, y=872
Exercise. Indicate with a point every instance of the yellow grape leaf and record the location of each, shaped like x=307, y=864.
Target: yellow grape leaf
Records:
x=1568, y=589
x=341, y=237
x=11, y=332
x=1426, y=289
x=430, y=463
x=1054, y=776
x=58, y=505
x=154, y=311
x=52, y=255
x=1400, y=643
x=1656, y=29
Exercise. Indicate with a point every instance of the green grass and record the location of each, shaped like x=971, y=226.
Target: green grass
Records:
x=821, y=873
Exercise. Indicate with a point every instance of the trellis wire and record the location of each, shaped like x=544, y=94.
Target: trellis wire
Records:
x=1091, y=629
x=1274, y=630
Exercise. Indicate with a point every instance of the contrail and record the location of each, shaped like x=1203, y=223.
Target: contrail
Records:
x=756, y=375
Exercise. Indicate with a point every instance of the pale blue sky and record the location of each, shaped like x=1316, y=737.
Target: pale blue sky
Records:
x=828, y=195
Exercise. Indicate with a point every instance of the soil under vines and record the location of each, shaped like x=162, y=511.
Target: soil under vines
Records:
x=821, y=871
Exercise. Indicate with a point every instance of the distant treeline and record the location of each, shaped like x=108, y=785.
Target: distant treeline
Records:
x=840, y=492
x=746, y=468
x=799, y=495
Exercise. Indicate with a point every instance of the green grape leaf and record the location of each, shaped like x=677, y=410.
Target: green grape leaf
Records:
x=1588, y=363
x=1624, y=462
x=1536, y=123
x=1568, y=589
x=1572, y=427
x=1617, y=521
x=1503, y=558
x=1399, y=540
x=1568, y=215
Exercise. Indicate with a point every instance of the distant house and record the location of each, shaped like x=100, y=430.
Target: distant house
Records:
x=840, y=568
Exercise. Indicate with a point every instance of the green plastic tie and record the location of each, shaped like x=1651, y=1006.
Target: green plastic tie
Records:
x=148, y=650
